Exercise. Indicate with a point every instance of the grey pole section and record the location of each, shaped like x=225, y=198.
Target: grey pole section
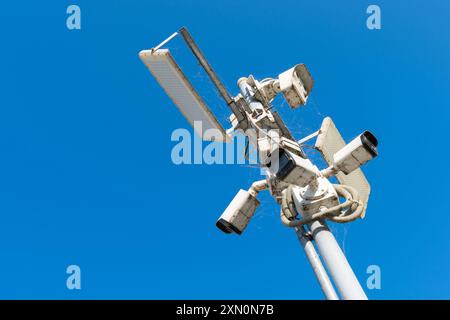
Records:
x=337, y=265
x=210, y=72
x=317, y=266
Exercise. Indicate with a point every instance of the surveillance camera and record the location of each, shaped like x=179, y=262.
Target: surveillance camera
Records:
x=291, y=168
x=360, y=150
x=296, y=84
x=237, y=215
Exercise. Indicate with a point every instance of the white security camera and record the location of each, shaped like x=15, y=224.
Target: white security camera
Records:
x=360, y=150
x=296, y=84
x=237, y=215
x=291, y=168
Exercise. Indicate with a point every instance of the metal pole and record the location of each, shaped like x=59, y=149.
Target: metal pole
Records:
x=317, y=266
x=165, y=41
x=337, y=265
x=210, y=72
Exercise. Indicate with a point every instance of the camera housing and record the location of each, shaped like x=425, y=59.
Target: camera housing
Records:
x=296, y=84
x=356, y=153
x=237, y=215
x=291, y=168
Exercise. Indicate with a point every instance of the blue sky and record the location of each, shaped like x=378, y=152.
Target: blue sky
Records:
x=86, y=176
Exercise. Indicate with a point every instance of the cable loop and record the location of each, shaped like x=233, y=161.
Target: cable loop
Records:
x=348, y=211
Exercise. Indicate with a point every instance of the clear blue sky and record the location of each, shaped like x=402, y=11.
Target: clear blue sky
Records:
x=86, y=176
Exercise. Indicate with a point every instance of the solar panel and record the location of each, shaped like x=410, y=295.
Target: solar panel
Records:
x=172, y=79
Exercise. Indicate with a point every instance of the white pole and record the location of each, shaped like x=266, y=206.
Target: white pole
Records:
x=337, y=265
x=317, y=266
